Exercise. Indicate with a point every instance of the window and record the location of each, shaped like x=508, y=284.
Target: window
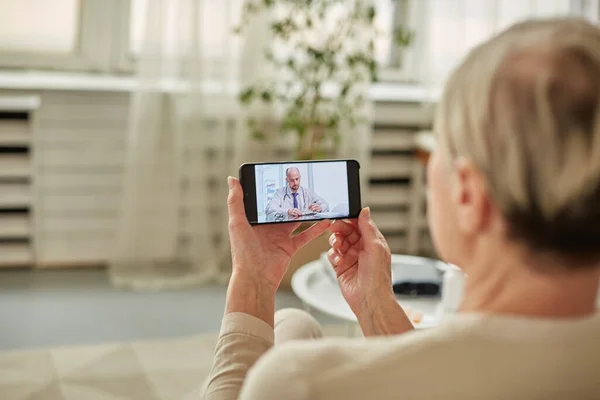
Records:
x=39, y=26
x=59, y=34
x=391, y=16
x=110, y=35
x=174, y=30
x=451, y=28
x=394, y=16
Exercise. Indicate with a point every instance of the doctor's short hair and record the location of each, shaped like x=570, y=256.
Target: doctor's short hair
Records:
x=290, y=168
x=525, y=108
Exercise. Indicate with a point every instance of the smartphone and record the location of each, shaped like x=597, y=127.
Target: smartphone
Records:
x=294, y=191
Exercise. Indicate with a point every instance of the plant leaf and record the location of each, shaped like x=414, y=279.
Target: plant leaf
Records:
x=371, y=45
x=373, y=69
x=258, y=135
x=345, y=89
x=371, y=13
x=333, y=122
x=247, y=95
x=266, y=96
x=403, y=37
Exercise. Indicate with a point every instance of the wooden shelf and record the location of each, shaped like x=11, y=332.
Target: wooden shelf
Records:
x=388, y=195
x=15, y=166
x=15, y=195
x=391, y=167
x=16, y=170
x=397, y=189
x=397, y=243
x=393, y=139
x=16, y=255
x=395, y=221
x=15, y=226
x=14, y=133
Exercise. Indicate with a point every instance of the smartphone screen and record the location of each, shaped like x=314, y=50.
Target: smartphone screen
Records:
x=301, y=191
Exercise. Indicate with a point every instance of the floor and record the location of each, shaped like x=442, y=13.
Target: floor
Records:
x=73, y=307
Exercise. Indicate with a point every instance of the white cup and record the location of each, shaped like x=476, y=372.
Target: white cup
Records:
x=452, y=288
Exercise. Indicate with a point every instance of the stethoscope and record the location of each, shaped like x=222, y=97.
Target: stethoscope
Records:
x=282, y=217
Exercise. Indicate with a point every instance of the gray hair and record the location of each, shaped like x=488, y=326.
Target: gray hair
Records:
x=525, y=108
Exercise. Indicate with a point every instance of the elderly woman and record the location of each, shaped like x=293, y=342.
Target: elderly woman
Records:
x=514, y=200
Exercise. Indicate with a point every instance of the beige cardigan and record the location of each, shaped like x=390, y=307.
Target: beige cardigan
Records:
x=471, y=357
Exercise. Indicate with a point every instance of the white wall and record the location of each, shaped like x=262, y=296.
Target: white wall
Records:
x=330, y=181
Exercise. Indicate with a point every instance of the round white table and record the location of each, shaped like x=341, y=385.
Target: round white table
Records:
x=318, y=290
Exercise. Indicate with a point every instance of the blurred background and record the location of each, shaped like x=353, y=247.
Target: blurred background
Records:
x=121, y=119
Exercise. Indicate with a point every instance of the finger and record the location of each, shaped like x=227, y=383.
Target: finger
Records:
x=353, y=238
x=334, y=257
x=340, y=263
x=235, y=202
x=368, y=229
x=343, y=247
x=342, y=227
x=335, y=238
x=339, y=243
x=311, y=233
x=291, y=228
x=351, y=233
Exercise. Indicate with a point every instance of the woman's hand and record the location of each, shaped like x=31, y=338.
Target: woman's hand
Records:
x=361, y=259
x=261, y=255
x=362, y=262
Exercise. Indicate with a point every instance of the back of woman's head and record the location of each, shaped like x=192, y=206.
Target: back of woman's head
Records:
x=525, y=108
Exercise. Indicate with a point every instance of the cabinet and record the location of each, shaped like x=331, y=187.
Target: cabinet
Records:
x=17, y=211
x=62, y=155
x=81, y=138
x=397, y=179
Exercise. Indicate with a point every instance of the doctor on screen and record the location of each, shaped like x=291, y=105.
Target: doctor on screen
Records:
x=294, y=200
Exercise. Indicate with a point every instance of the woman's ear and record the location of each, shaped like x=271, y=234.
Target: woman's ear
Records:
x=471, y=197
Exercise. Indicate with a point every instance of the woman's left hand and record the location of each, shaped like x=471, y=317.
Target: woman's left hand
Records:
x=263, y=252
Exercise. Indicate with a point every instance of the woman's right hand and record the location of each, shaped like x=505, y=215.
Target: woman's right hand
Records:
x=362, y=262
x=363, y=265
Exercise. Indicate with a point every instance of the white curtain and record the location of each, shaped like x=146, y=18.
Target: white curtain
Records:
x=187, y=133
x=452, y=27
x=171, y=231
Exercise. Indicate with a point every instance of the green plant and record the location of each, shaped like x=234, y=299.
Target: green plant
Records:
x=322, y=55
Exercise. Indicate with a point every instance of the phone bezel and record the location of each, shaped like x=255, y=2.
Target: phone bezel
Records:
x=247, y=179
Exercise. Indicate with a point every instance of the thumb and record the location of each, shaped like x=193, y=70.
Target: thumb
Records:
x=366, y=226
x=235, y=201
